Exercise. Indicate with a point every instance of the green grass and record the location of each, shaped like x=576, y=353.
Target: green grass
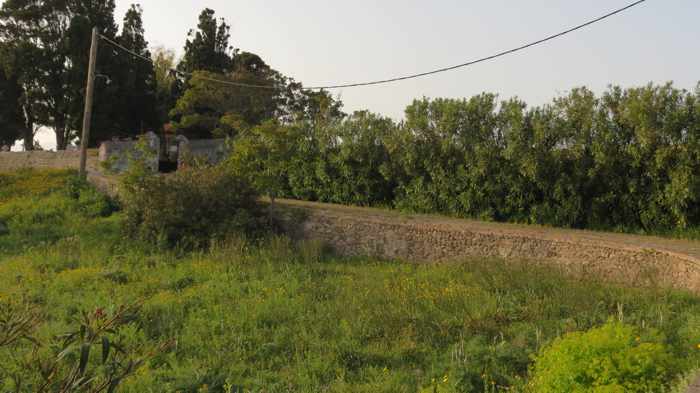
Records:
x=274, y=316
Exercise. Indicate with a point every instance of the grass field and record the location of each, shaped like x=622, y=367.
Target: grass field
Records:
x=274, y=316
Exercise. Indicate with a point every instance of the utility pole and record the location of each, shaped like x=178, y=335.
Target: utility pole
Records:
x=89, y=94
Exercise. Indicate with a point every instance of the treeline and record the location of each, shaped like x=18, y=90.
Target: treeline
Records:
x=44, y=46
x=627, y=160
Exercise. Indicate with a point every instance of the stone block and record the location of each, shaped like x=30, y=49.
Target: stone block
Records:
x=207, y=151
x=114, y=156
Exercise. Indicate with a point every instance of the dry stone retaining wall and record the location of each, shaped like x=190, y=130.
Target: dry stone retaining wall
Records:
x=622, y=259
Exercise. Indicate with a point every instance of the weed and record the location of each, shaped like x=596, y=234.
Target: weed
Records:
x=277, y=315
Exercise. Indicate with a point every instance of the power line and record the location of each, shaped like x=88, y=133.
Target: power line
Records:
x=120, y=46
x=484, y=59
x=413, y=76
x=139, y=56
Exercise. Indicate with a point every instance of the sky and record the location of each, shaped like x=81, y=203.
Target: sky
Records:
x=320, y=42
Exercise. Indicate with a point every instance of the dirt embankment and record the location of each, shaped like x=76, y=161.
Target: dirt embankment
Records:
x=628, y=259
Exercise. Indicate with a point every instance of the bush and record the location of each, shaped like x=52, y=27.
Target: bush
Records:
x=612, y=358
x=625, y=160
x=101, y=352
x=190, y=208
x=89, y=201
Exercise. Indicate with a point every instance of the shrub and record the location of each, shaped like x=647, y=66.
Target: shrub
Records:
x=89, y=201
x=625, y=160
x=190, y=208
x=612, y=358
x=97, y=356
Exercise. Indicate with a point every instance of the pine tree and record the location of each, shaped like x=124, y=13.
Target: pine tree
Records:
x=51, y=40
x=207, y=48
x=84, y=15
x=137, y=84
x=19, y=58
x=11, y=118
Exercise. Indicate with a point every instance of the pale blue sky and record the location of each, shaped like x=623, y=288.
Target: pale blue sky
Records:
x=321, y=42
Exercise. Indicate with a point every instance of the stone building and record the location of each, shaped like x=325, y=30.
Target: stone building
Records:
x=161, y=155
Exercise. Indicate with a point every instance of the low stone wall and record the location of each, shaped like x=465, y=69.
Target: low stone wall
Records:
x=114, y=156
x=210, y=151
x=630, y=260
x=11, y=161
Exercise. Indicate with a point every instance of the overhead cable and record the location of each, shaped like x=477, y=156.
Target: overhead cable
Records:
x=413, y=76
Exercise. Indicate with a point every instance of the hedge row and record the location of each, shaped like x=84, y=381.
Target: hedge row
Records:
x=628, y=159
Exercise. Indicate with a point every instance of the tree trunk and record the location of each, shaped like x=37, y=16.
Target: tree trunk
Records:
x=28, y=137
x=61, y=140
x=28, y=130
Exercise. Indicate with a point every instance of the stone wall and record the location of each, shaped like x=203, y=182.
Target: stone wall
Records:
x=210, y=151
x=115, y=155
x=631, y=260
x=11, y=161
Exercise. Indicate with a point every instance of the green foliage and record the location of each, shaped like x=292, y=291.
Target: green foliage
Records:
x=262, y=155
x=40, y=207
x=11, y=116
x=134, y=108
x=17, y=73
x=686, y=381
x=16, y=324
x=167, y=84
x=70, y=363
x=46, y=47
x=624, y=161
x=207, y=48
x=209, y=109
x=280, y=316
x=189, y=208
x=612, y=358
x=325, y=159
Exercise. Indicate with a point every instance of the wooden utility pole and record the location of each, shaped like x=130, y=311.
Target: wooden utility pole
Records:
x=89, y=94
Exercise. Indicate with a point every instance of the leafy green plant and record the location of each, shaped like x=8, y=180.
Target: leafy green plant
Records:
x=611, y=358
x=43, y=206
x=191, y=207
x=17, y=324
x=624, y=160
x=261, y=155
x=277, y=315
x=69, y=364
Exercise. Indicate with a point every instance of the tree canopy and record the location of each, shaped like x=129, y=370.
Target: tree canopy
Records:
x=624, y=160
x=46, y=45
x=207, y=48
x=11, y=117
x=48, y=42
